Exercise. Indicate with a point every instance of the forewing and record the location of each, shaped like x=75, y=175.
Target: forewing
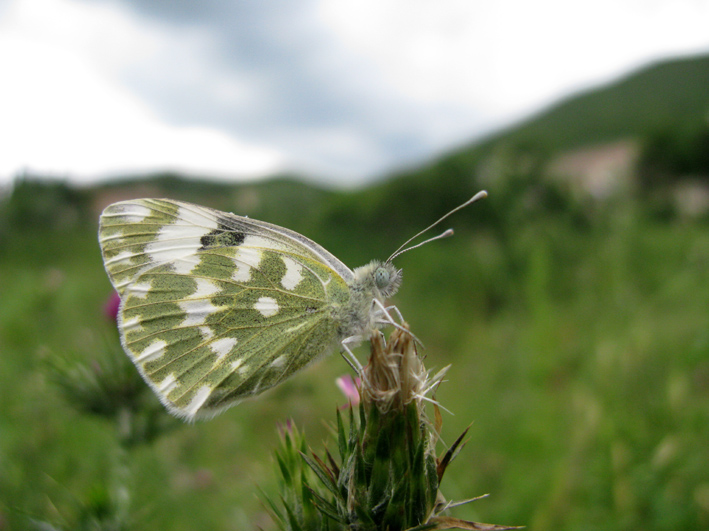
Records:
x=206, y=323
x=140, y=234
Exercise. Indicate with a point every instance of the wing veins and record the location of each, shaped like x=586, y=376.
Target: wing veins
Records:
x=246, y=342
x=190, y=327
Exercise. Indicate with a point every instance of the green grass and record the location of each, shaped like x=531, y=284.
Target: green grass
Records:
x=596, y=393
x=580, y=355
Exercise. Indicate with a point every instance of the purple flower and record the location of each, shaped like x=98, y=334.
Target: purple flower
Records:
x=110, y=307
x=286, y=428
x=349, y=387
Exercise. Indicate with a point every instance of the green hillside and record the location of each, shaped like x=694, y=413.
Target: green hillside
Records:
x=673, y=94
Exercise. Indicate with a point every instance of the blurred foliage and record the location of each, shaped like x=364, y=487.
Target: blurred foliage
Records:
x=37, y=204
x=577, y=328
x=670, y=154
x=106, y=385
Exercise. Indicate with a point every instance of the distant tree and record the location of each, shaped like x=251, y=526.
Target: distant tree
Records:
x=37, y=203
x=669, y=154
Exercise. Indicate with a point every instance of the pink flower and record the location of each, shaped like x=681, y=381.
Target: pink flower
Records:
x=286, y=428
x=110, y=307
x=349, y=387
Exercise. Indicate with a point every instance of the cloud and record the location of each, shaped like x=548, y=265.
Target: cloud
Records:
x=64, y=112
x=352, y=87
x=343, y=89
x=296, y=86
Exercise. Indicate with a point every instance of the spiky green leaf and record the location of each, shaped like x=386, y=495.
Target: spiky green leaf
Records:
x=321, y=472
x=325, y=507
x=341, y=437
x=450, y=454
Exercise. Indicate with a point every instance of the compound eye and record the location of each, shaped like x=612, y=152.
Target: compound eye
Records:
x=381, y=278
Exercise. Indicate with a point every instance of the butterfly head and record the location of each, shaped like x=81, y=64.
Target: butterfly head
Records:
x=387, y=279
x=381, y=279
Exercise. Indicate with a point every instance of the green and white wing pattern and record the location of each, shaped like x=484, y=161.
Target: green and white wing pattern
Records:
x=217, y=307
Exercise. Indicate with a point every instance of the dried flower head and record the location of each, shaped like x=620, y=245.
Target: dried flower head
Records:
x=395, y=375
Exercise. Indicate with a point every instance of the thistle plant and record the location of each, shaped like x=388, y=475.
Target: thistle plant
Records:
x=102, y=383
x=387, y=475
x=106, y=385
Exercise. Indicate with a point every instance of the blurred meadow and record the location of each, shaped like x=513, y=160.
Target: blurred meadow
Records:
x=573, y=305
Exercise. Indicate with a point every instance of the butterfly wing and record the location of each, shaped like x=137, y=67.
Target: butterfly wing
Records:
x=217, y=307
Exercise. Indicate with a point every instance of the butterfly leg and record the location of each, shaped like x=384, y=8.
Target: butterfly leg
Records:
x=382, y=316
x=349, y=356
x=394, y=309
x=383, y=311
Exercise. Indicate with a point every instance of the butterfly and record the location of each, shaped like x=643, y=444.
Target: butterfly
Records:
x=217, y=307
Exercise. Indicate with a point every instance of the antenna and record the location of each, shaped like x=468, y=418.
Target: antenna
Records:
x=445, y=234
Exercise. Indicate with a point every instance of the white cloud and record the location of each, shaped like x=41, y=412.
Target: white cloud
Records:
x=65, y=112
x=510, y=56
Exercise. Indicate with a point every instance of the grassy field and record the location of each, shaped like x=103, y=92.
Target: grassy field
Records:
x=580, y=354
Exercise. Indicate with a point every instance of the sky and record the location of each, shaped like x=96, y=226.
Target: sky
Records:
x=343, y=91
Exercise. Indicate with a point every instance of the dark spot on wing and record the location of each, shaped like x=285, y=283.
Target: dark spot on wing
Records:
x=223, y=236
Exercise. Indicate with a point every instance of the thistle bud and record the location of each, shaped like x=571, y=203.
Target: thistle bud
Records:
x=388, y=475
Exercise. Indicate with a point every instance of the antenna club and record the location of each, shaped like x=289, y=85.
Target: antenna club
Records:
x=481, y=194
